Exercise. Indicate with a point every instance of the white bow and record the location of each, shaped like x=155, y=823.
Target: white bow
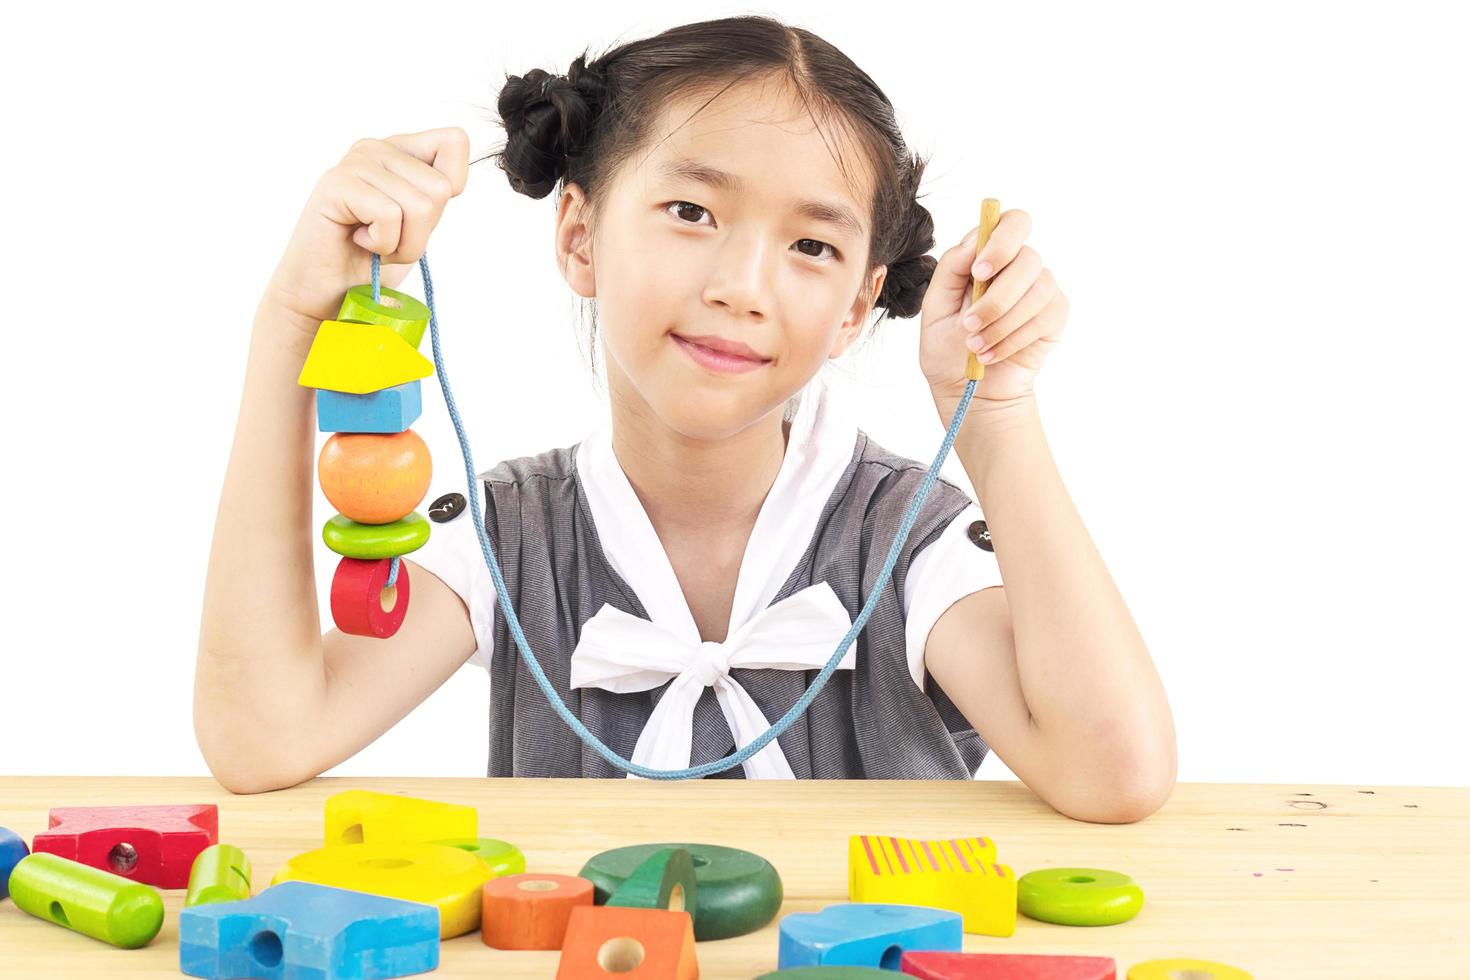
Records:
x=622, y=653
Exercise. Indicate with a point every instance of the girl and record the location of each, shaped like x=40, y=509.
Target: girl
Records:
x=736, y=196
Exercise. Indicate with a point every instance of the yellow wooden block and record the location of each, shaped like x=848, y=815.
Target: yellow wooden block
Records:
x=360, y=816
x=958, y=875
x=361, y=358
x=435, y=874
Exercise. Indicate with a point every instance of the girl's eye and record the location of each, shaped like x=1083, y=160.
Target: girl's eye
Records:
x=681, y=205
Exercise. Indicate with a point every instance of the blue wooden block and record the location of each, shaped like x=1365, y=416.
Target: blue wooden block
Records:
x=866, y=934
x=302, y=931
x=387, y=410
x=12, y=849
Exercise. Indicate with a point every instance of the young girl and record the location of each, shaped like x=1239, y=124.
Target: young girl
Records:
x=737, y=198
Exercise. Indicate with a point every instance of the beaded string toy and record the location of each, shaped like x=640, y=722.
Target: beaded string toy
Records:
x=375, y=470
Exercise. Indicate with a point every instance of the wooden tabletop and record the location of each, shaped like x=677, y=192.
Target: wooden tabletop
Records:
x=1292, y=881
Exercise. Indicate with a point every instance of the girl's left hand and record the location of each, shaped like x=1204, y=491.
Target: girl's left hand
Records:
x=1020, y=317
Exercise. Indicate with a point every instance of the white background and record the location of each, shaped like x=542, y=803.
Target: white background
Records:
x=1258, y=211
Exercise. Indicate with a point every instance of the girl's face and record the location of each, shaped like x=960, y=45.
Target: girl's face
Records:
x=744, y=258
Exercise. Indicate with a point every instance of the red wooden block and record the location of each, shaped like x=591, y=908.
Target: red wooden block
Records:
x=637, y=944
x=530, y=911
x=1007, y=966
x=156, y=845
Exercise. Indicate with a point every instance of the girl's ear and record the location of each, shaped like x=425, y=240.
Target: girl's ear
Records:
x=574, y=242
x=852, y=324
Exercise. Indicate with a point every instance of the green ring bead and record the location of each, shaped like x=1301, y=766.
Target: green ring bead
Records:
x=1078, y=896
x=353, y=540
x=738, y=892
x=409, y=319
x=503, y=857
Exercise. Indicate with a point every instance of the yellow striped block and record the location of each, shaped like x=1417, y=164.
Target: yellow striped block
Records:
x=960, y=875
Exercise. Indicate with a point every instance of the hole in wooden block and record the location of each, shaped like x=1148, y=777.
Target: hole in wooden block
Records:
x=1084, y=880
x=388, y=598
x=352, y=835
x=123, y=858
x=58, y=913
x=265, y=947
x=892, y=957
x=537, y=885
x=620, y=954
x=699, y=862
x=676, y=898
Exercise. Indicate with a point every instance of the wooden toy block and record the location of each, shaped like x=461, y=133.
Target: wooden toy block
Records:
x=372, y=478
x=362, y=604
x=359, y=358
x=1007, y=966
x=640, y=944
x=353, y=540
x=156, y=845
x=361, y=816
x=445, y=877
x=501, y=857
x=390, y=410
x=221, y=873
x=866, y=934
x=738, y=892
x=530, y=911
x=960, y=875
x=829, y=973
x=87, y=900
x=1078, y=896
x=304, y=931
x=407, y=317
x=1188, y=969
x=665, y=881
x=12, y=849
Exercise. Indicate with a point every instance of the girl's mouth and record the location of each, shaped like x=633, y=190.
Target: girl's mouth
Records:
x=715, y=360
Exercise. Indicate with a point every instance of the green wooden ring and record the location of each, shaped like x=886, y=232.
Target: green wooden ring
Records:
x=503, y=858
x=409, y=319
x=738, y=891
x=831, y=973
x=353, y=540
x=1078, y=896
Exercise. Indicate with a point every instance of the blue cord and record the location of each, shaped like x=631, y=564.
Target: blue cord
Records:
x=572, y=721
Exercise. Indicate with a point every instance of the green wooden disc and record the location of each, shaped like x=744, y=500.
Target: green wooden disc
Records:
x=832, y=973
x=665, y=881
x=220, y=873
x=409, y=319
x=738, y=892
x=1078, y=896
x=88, y=900
x=353, y=540
x=502, y=857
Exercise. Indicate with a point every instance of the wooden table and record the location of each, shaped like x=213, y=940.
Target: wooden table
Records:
x=1292, y=881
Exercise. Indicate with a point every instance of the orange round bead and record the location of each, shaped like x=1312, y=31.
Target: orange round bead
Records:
x=373, y=478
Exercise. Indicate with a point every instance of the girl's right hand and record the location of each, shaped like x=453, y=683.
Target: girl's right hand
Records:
x=385, y=196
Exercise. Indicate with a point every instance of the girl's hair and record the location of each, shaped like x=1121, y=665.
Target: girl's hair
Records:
x=582, y=126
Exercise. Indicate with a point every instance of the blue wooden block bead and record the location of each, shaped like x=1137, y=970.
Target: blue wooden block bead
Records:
x=12, y=849
x=387, y=410
x=866, y=934
x=302, y=931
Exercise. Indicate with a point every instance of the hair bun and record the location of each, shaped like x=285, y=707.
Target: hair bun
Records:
x=547, y=119
x=905, y=284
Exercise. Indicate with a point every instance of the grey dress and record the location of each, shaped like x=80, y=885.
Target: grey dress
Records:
x=871, y=722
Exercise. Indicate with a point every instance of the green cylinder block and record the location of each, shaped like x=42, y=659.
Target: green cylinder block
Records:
x=88, y=900
x=221, y=873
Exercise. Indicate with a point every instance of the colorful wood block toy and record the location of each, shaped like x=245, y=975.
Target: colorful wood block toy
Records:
x=640, y=944
x=738, y=892
x=302, y=930
x=156, y=845
x=87, y=900
x=354, y=540
x=12, y=849
x=221, y=873
x=501, y=857
x=1007, y=966
x=361, y=816
x=362, y=603
x=960, y=875
x=445, y=877
x=404, y=314
x=665, y=881
x=866, y=934
x=1185, y=969
x=1079, y=896
x=530, y=911
x=360, y=358
x=389, y=410
x=373, y=478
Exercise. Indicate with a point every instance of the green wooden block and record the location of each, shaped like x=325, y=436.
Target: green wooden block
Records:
x=665, y=881
x=1078, y=896
x=502, y=857
x=404, y=314
x=738, y=892
x=88, y=900
x=221, y=873
x=353, y=540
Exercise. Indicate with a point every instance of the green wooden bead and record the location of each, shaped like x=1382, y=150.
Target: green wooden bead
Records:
x=832, y=973
x=88, y=900
x=409, y=318
x=738, y=891
x=220, y=873
x=353, y=540
x=665, y=881
x=502, y=857
x=1078, y=896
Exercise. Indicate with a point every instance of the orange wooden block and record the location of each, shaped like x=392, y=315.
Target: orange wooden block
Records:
x=530, y=911
x=640, y=944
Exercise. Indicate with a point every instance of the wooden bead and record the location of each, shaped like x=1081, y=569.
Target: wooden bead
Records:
x=353, y=540
x=665, y=881
x=361, y=357
x=87, y=900
x=1007, y=966
x=362, y=604
x=501, y=857
x=221, y=873
x=960, y=875
x=1078, y=896
x=12, y=849
x=407, y=317
x=364, y=816
x=373, y=478
x=643, y=944
x=865, y=934
x=390, y=410
x=1194, y=969
x=530, y=911
x=152, y=844
x=738, y=891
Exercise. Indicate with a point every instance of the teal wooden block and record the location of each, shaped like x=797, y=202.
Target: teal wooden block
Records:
x=388, y=410
x=866, y=934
